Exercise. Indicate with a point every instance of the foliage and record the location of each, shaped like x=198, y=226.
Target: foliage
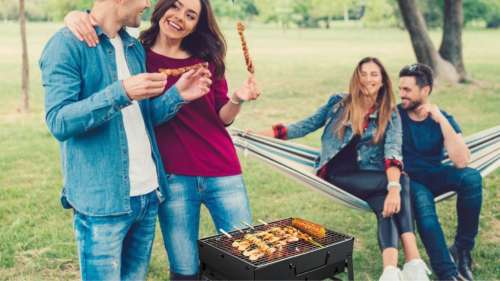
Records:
x=381, y=13
x=482, y=10
x=302, y=13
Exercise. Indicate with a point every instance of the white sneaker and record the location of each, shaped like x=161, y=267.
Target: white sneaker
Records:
x=416, y=270
x=391, y=273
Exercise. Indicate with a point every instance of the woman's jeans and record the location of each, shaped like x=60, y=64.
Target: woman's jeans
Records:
x=226, y=200
x=425, y=185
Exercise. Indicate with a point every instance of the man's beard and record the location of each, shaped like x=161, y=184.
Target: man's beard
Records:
x=412, y=105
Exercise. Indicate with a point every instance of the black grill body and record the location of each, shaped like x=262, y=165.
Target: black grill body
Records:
x=298, y=261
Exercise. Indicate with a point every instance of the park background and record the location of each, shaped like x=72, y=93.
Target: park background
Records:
x=303, y=51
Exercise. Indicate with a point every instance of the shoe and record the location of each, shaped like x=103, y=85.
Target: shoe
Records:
x=391, y=273
x=463, y=260
x=416, y=270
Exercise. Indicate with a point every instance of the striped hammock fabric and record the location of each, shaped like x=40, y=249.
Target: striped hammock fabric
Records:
x=298, y=161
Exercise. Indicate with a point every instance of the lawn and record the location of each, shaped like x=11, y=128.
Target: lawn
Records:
x=297, y=70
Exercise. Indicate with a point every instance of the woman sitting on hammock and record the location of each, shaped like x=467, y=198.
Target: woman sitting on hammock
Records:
x=361, y=154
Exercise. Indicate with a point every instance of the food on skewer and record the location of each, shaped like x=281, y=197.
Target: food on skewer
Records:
x=300, y=235
x=262, y=243
x=248, y=61
x=308, y=227
x=255, y=257
x=250, y=252
x=181, y=70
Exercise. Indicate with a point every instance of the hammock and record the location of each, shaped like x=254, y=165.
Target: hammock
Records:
x=299, y=161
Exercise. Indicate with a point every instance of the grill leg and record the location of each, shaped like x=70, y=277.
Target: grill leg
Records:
x=350, y=269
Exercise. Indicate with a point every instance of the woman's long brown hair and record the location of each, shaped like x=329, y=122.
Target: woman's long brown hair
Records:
x=205, y=42
x=353, y=103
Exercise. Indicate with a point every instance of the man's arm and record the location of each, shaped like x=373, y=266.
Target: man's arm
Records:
x=66, y=114
x=453, y=142
x=166, y=106
x=455, y=145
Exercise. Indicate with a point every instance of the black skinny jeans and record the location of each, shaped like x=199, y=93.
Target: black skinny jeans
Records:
x=371, y=186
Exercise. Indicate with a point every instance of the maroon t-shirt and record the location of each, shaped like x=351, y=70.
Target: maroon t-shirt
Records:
x=195, y=142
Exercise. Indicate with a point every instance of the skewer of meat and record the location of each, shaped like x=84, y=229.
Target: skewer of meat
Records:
x=248, y=61
x=262, y=243
x=301, y=235
x=181, y=70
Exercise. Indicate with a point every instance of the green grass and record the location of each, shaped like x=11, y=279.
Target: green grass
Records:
x=297, y=70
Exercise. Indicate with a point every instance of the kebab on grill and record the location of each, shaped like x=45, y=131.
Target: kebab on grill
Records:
x=181, y=70
x=254, y=246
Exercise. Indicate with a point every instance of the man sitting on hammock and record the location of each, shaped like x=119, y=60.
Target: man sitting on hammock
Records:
x=427, y=130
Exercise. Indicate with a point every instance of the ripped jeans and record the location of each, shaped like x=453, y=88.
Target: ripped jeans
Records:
x=117, y=247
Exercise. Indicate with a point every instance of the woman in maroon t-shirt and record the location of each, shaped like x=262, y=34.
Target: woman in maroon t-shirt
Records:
x=197, y=152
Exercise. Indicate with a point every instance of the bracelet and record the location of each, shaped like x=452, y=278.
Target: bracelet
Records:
x=394, y=184
x=235, y=102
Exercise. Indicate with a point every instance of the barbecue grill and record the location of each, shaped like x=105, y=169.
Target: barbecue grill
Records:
x=299, y=260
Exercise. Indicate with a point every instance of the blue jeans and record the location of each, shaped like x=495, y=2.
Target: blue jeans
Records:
x=226, y=200
x=467, y=183
x=117, y=247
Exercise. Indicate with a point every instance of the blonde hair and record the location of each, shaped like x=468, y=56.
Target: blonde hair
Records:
x=353, y=103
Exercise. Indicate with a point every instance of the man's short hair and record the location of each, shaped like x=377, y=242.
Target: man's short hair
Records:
x=423, y=74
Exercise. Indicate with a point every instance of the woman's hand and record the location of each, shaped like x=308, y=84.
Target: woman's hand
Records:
x=392, y=203
x=248, y=91
x=194, y=84
x=82, y=26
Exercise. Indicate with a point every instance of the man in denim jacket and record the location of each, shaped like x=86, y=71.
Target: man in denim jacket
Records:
x=97, y=106
x=427, y=131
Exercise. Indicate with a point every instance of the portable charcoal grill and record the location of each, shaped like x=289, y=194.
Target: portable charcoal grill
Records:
x=299, y=260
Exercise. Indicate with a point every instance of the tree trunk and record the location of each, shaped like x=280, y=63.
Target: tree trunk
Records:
x=422, y=44
x=328, y=21
x=346, y=13
x=25, y=63
x=451, y=45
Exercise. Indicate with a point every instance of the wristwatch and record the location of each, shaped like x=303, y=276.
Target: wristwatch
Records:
x=395, y=185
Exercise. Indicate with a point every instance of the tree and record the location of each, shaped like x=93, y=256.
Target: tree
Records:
x=379, y=13
x=9, y=10
x=236, y=9
x=25, y=64
x=482, y=10
x=326, y=10
x=280, y=11
x=425, y=50
x=451, y=44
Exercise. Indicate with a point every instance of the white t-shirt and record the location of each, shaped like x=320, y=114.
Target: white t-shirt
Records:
x=142, y=168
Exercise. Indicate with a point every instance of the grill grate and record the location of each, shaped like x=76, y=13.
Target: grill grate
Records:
x=223, y=243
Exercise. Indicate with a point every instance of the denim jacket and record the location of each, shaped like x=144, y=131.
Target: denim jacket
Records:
x=83, y=102
x=370, y=156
